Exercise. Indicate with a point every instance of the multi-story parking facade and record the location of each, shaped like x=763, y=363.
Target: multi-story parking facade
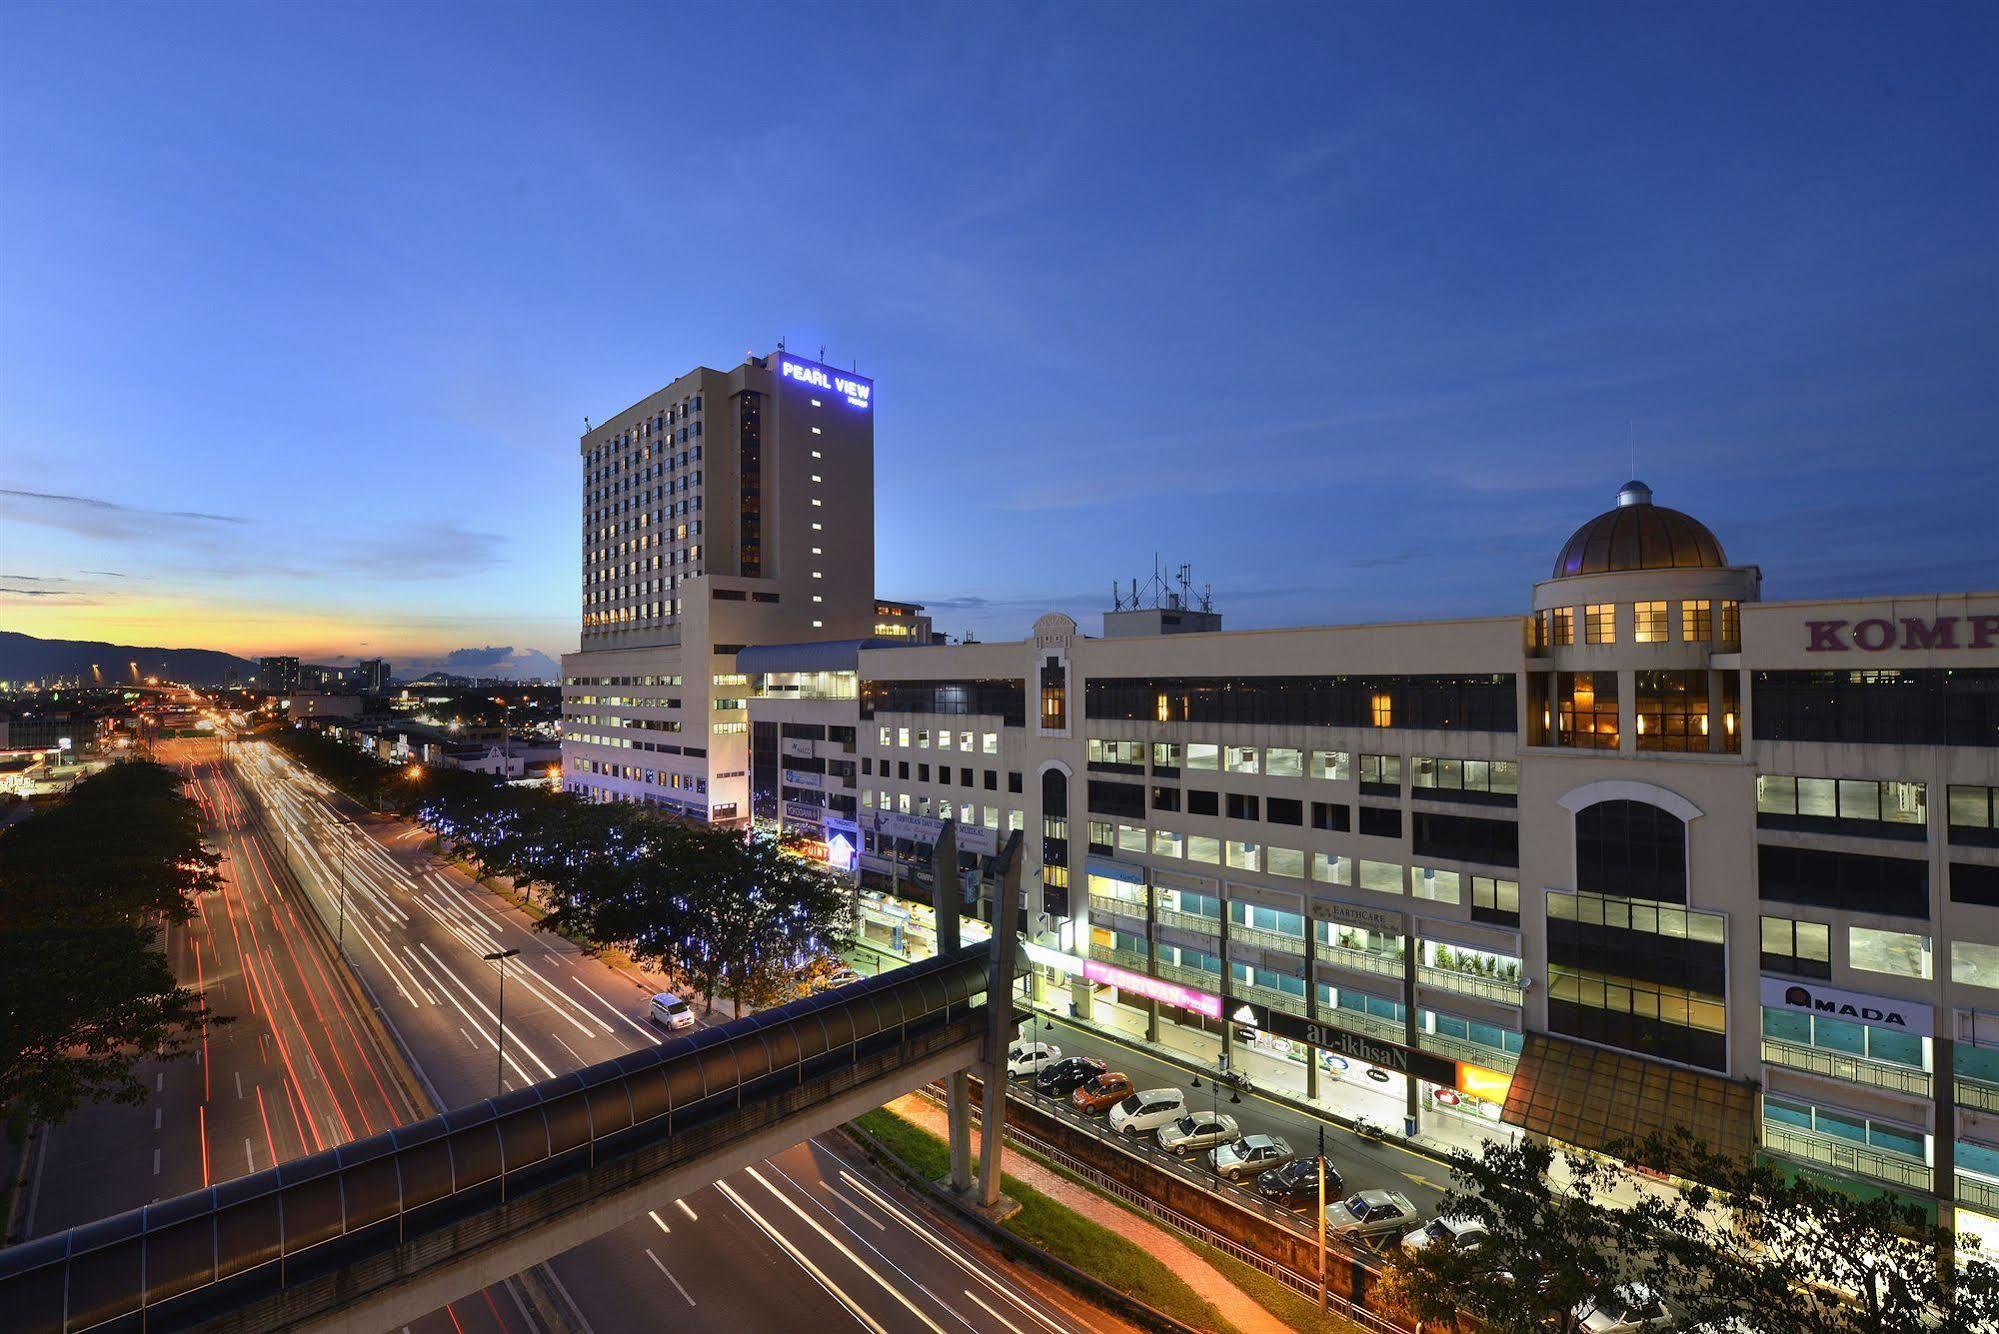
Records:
x=1653, y=852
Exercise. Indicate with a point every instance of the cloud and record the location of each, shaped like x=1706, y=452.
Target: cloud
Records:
x=502, y=660
x=490, y=656
x=90, y=516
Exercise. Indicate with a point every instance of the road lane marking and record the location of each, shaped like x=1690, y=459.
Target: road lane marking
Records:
x=669, y=1275
x=833, y=1289
x=653, y=1214
x=685, y=1208
x=652, y=1036
x=847, y=1251
x=249, y=1154
x=866, y=1217
x=239, y=1081
x=156, y=1162
x=994, y=1314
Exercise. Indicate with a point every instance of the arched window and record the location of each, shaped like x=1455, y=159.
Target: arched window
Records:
x=1055, y=841
x=1633, y=850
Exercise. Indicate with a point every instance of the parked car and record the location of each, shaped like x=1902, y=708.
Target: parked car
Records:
x=1027, y=1058
x=1458, y=1234
x=669, y=1012
x=1296, y=1184
x=1370, y=1213
x=1195, y=1131
x=1062, y=1078
x=839, y=977
x=1099, y=1095
x=1249, y=1156
x=1142, y=1112
x=1630, y=1308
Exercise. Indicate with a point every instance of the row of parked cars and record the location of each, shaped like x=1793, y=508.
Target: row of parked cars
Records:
x=1280, y=1175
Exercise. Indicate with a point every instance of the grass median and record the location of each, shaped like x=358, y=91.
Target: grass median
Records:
x=1059, y=1230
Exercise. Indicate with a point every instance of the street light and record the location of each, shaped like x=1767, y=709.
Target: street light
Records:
x=1322, y=1218
x=500, y=957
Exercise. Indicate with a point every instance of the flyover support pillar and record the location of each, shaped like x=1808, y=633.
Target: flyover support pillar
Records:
x=945, y=897
x=999, y=1023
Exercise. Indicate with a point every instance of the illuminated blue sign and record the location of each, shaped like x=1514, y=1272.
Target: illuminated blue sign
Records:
x=855, y=390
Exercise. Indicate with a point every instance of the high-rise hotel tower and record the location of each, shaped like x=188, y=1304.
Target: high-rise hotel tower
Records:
x=728, y=508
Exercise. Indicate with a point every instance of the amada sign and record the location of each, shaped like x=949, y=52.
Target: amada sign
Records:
x=1853, y=1006
x=1879, y=634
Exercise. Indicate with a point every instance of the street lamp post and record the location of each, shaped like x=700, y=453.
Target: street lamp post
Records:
x=1322, y=1218
x=500, y=957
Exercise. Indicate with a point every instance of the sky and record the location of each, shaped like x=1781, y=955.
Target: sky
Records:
x=1357, y=309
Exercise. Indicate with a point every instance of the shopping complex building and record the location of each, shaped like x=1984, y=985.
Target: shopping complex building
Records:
x=1643, y=851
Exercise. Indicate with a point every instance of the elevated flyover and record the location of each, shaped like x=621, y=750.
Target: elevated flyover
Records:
x=379, y=1231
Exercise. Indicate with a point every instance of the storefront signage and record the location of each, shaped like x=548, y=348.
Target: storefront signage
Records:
x=798, y=810
x=804, y=778
x=1066, y=964
x=1357, y=1047
x=1153, y=988
x=853, y=388
x=923, y=829
x=1878, y=634
x=1855, y=1006
x=1355, y=915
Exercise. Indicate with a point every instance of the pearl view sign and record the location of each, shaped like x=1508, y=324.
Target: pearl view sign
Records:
x=858, y=392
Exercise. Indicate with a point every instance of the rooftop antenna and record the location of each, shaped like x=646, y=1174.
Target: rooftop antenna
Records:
x=822, y=352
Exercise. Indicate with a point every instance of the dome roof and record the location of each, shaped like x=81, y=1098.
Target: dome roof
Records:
x=1638, y=535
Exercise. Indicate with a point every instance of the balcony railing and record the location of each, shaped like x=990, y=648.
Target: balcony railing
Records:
x=1265, y=939
x=1844, y=1156
x=1111, y=904
x=1978, y=1192
x=1187, y=921
x=1131, y=959
x=1360, y=961
x=1198, y=978
x=1471, y=984
x=1851, y=1069
x=1977, y=1094
x=1490, y=1058
x=1271, y=996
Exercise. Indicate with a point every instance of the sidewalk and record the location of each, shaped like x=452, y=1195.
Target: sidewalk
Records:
x=1235, y=1305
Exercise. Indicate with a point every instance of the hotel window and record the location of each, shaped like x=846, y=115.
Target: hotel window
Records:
x=1332, y=765
x=1201, y=755
x=1331, y=869
x=1242, y=759
x=1696, y=622
x=1244, y=856
x=1385, y=877
x=1793, y=946
x=1438, y=886
x=1168, y=843
x=1103, y=835
x=1600, y=623
x=1162, y=710
x=1650, y=623
x=1131, y=838
x=989, y=741
x=1054, y=696
x=1285, y=861
x=1589, y=710
x=1973, y=964
x=1495, y=900
x=1974, y=816
x=965, y=742
x=1166, y=758
x=1861, y=807
x=1492, y=782
x=1561, y=627
x=1672, y=711
x=1896, y=953
x=1282, y=762
x=1381, y=710
x=1201, y=848
x=1381, y=775
x=1731, y=622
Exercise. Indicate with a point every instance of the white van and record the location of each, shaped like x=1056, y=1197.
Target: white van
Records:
x=668, y=1011
x=1149, y=1110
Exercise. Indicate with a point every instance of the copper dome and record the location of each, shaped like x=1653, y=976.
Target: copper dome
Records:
x=1639, y=535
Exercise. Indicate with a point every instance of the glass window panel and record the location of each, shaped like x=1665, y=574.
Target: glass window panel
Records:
x=1282, y=762
x=1818, y=796
x=1787, y=1026
x=1859, y=799
x=1970, y=807
x=1201, y=755
x=1974, y=964
x=1886, y=1044
x=1776, y=794
x=1897, y=953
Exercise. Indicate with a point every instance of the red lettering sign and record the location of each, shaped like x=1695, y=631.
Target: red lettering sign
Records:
x=1825, y=637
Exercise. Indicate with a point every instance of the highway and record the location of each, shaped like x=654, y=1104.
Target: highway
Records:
x=808, y=1238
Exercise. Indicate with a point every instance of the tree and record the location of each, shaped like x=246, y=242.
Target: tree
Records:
x=85, y=991
x=1550, y=1250
x=779, y=913
x=1792, y=1254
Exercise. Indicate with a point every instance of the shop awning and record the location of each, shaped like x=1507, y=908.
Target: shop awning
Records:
x=1594, y=1099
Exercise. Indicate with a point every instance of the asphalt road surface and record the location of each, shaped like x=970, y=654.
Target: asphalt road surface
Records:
x=806, y=1239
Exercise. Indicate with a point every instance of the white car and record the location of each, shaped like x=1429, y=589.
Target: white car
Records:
x=1148, y=1110
x=839, y=977
x=1249, y=1156
x=670, y=1012
x=1370, y=1213
x=1198, y=1130
x=1027, y=1058
x=1631, y=1308
x=1458, y=1234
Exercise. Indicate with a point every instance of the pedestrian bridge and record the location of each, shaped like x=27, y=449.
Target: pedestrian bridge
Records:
x=379, y=1231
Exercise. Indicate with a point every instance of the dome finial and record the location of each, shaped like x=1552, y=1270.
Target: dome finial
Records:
x=1633, y=492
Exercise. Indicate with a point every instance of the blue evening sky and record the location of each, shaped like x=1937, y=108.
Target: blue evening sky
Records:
x=1359, y=309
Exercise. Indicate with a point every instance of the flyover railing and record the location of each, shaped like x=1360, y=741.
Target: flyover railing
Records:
x=316, y=1232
